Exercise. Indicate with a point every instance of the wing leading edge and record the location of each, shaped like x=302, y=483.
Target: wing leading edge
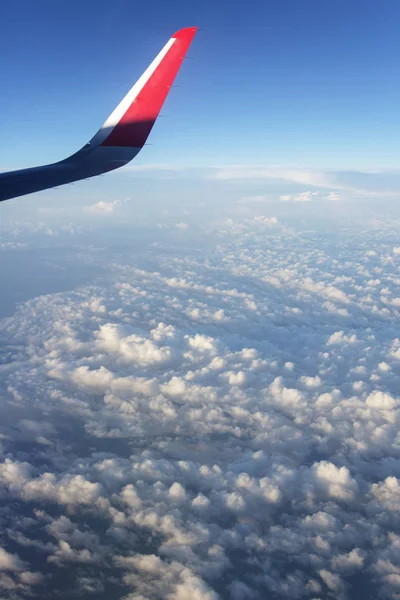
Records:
x=120, y=138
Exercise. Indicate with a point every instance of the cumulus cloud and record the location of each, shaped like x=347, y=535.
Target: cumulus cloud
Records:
x=218, y=423
x=9, y=562
x=310, y=196
x=103, y=208
x=301, y=197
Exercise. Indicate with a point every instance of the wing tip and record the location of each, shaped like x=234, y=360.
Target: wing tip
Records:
x=132, y=126
x=187, y=33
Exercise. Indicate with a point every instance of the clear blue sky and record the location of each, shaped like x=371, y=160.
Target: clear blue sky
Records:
x=313, y=82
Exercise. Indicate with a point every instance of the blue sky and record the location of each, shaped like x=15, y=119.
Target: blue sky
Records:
x=312, y=83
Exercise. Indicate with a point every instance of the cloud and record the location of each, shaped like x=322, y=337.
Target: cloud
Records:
x=340, y=183
x=218, y=422
x=309, y=196
x=334, y=196
x=381, y=184
x=103, y=208
x=267, y=221
x=301, y=197
x=12, y=246
x=306, y=196
x=9, y=562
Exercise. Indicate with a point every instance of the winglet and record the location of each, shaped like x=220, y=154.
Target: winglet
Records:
x=120, y=138
x=131, y=122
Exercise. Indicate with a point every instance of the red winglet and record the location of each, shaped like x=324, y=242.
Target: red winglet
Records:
x=135, y=125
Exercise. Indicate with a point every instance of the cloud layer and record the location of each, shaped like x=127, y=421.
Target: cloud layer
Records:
x=383, y=183
x=219, y=423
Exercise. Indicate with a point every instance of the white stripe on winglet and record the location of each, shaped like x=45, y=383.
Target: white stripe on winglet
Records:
x=125, y=103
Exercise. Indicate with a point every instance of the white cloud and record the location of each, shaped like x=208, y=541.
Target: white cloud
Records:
x=364, y=183
x=266, y=221
x=221, y=422
x=69, y=490
x=9, y=562
x=301, y=197
x=103, y=208
x=66, y=554
x=334, y=196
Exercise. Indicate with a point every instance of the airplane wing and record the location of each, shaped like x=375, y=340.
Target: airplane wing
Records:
x=121, y=137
